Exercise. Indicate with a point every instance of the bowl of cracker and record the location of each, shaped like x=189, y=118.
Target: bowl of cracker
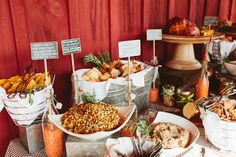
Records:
x=219, y=121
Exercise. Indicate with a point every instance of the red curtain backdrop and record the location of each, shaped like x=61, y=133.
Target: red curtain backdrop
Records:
x=99, y=23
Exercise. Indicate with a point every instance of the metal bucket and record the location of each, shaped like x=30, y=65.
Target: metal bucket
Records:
x=32, y=136
x=118, y=94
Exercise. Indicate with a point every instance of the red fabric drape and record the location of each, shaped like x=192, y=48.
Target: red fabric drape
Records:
x=99, y=23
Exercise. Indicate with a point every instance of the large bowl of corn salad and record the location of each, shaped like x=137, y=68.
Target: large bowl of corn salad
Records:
x=93, y=121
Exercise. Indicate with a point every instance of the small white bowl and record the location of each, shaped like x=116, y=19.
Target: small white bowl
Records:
x=126, y=112
x=230, y=67
x=182, y=122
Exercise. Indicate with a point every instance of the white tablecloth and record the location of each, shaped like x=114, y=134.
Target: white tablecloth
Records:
x=16, y=149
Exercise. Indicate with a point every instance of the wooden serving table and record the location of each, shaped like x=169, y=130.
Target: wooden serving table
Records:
x=184, y=57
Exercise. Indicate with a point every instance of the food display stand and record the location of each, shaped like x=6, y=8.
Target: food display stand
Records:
x=184, y=57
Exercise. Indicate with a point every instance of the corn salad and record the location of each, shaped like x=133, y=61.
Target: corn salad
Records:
x=91, y=118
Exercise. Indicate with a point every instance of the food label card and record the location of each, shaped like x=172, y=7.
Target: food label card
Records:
x=154, y=34
x=211, y=20
x=71, y=46
x=129, y=48
x=44, y=50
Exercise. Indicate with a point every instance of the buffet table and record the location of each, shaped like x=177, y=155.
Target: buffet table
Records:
x=16, y=148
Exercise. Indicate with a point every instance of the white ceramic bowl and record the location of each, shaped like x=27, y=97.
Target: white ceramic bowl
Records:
x=231, y=68
x=182, y=122
x=126, y=112
x=220, y=133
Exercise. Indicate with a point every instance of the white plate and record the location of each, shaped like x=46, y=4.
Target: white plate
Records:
x=195, y=152
x=126, y=112
x=182, y=122
x=222, y=143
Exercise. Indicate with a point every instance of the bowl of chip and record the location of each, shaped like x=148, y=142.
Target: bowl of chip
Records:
x=219, y=121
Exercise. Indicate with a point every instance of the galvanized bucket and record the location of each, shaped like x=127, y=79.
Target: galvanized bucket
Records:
x=118, y=94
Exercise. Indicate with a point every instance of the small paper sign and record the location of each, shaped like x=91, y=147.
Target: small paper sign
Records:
x=154, y=34
x=44, y=50
x=211, y=20
x=71, y=46
x=129, y=48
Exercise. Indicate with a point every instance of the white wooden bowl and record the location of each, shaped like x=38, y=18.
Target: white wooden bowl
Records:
x=182, y=122
x=126, y=112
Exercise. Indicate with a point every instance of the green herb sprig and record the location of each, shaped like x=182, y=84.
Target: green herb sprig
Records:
x=167, y=92
x=92, y=59
x=31, y=92
x=105, y=57
x=141, y=125
x=89, y=98
x=102, y=58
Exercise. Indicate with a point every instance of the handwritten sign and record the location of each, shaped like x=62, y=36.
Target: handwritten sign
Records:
x=154, y=34
x=71, y=46
x=44, y=50
x=129, y=48
x=211, y=20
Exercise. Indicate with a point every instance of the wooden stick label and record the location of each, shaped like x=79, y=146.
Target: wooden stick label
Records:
x=129, y=48
x=154, y=34
x=71, y=46
x=44, y=50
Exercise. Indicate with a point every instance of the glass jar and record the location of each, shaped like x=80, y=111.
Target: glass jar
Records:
x=183, y=96
x=168, y=92
x=151, y=114
x=53, y=137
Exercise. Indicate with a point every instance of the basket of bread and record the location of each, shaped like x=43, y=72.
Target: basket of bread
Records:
x=24, y=96
x=219, y=121
x=107, y=78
